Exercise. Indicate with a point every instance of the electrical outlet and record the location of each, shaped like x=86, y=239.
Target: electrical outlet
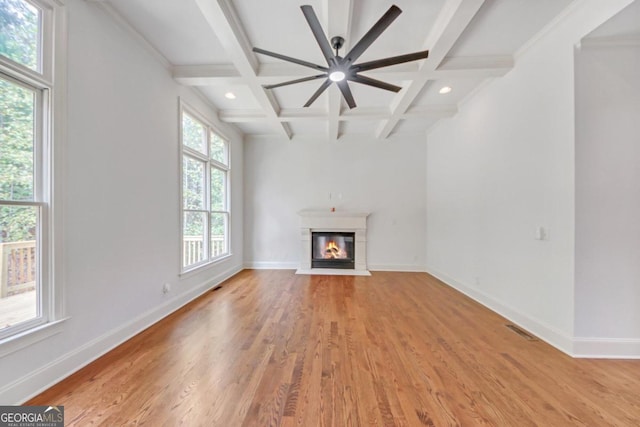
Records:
x=166, y=288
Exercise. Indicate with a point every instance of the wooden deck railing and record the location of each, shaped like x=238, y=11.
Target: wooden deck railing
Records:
x=18, y=262
x=192, y=248
x=17, y=267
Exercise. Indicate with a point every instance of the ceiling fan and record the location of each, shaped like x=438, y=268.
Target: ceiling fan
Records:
x=342, y=69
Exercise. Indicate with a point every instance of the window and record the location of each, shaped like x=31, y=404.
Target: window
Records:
x=205, y=184
x=26, y=112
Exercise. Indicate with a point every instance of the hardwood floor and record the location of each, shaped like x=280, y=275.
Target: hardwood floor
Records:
x=273, y=348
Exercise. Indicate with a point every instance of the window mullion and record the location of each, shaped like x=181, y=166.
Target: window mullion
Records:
x=207, y=196
x=194, y=153
x=38, y=161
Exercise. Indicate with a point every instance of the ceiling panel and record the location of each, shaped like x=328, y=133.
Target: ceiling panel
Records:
x=360, y=126
x=405, y=35
x=460, y=88
x=255, y=128
x=176, y=28
x=280, y=27
x=244, y=97
x=309, y=127
x=501, y=26
x=368, y=96
x=295, y=96
x=624, y=24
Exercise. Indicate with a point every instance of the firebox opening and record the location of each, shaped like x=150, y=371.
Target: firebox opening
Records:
x=332, y=250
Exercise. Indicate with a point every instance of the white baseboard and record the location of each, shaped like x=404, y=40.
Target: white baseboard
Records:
x=398, y=267
x=332, y=272
x=606, y=348
x=275, y=265
x=579, y=347
x=270, y=265
x=36, y=382
x=540, y=329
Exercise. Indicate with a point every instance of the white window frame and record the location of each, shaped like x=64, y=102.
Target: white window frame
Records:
x=50, y=127
x=208, y=164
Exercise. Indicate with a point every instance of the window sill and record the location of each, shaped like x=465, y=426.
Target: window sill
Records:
x=29, y=337
x=202, y=267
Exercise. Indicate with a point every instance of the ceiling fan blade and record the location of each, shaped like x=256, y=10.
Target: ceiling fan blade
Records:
x=375, y=31
x=318, y=33
x=290, y=59
x=317, y=93
x=290, y=82
x=385, y=62
x=375, y=83
x=346, y=93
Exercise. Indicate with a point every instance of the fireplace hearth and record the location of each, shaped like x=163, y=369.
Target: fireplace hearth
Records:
x=333, y=250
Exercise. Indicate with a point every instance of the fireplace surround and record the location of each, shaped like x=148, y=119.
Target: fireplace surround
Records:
x=340, y=243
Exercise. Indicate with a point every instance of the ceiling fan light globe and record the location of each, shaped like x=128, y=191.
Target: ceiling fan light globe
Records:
x=337, y=76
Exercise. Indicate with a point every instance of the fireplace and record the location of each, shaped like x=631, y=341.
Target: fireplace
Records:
x=333, y=243
x=333, y=250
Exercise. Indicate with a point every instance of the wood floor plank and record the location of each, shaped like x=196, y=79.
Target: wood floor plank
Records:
x=395, y=349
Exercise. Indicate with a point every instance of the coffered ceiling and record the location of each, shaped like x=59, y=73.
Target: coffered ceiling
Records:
x=207, y=44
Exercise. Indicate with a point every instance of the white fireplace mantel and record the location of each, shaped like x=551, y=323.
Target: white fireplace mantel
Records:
x=345, y=221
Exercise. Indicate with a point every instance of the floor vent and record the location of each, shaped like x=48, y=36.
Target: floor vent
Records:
x=524, y=334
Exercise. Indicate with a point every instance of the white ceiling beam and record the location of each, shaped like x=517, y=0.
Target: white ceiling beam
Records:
x=375, y=113
x=271, y=72
x=314, y=114
x=294, y=114
x=207, y=75
x=224, y=21
x=242, y=116
x=625, y=40
x=474, y=67
x=451, y=22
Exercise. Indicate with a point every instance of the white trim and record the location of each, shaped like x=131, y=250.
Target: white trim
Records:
x=277, y=265
x=329, y=221
x=185, y=108
x=410, y=268
x=332, y=272
x=270, y=265
x=16, y=342
x=44, y=377
x=538, y=328
x=606, y=348
x=199, y=268
x=631, y=40
x=50, y=135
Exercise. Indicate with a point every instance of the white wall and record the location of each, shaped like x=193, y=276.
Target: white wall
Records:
x=608, y=193
x=505, y=166
x=386, y=178
x=121, y=210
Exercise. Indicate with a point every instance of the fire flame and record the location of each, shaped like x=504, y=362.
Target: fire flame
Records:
x=333, y=251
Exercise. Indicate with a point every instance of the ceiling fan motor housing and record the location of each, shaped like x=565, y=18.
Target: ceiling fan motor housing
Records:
x=337, y=42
